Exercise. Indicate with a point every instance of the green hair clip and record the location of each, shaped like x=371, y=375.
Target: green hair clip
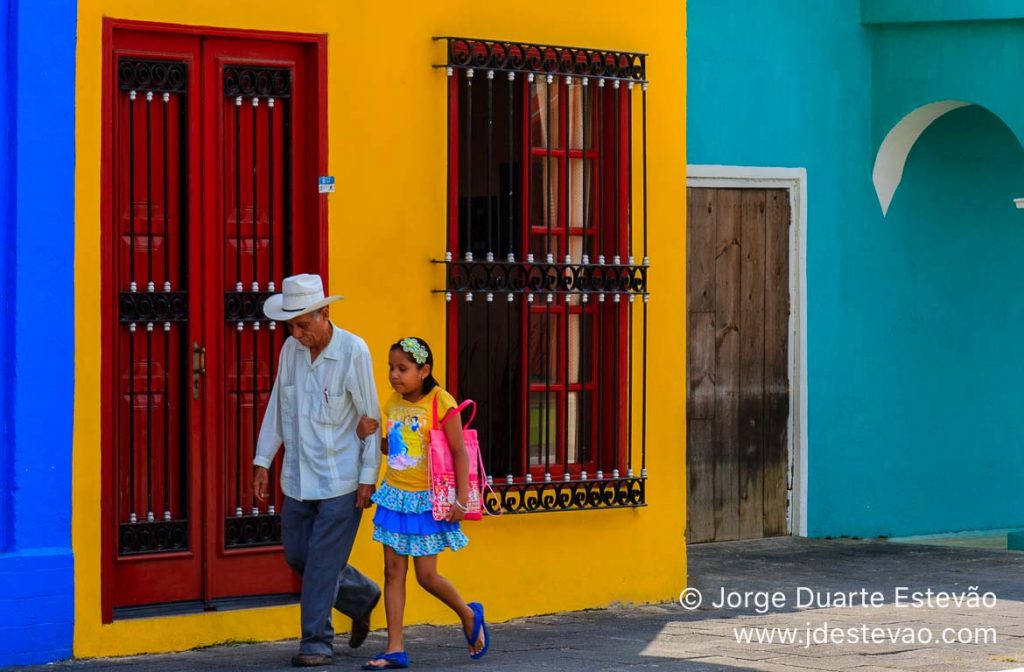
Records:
x=414, y=348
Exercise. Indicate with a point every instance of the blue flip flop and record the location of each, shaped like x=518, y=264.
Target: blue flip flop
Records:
x=393, y=661
x=478, y=625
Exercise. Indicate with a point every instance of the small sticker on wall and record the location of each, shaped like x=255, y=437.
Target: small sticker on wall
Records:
x=326, y=184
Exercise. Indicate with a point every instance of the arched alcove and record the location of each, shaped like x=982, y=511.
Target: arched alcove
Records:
x=895, y=148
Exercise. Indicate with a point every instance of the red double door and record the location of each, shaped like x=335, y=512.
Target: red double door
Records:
x=212, y=147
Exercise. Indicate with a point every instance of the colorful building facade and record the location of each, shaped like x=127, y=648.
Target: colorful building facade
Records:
x=902, y=127
x=199, y=146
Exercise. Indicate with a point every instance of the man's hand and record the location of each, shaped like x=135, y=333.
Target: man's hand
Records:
x=260, y=483
x=366, y=427
x=363, y=495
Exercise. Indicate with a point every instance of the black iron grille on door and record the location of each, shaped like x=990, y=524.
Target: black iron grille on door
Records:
x=543, y=283
x=256, y=120
x=152, y=339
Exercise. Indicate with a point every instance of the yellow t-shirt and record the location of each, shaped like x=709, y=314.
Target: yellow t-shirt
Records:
x=407, y=429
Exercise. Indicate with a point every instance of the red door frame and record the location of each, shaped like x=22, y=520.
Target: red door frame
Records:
x=156, y=40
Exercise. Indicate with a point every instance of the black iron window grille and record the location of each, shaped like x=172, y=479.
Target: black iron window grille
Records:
x=547, y=294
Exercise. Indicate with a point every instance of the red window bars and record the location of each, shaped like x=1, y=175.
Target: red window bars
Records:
x=542, y=280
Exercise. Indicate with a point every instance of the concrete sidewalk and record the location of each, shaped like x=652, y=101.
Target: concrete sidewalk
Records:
x=784, y=572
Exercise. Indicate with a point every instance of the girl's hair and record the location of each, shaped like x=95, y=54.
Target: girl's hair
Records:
x=412, y=346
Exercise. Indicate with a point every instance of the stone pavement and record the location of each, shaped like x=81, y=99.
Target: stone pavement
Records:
x=780, y=576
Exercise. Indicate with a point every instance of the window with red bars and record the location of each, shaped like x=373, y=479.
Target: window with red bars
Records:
x=542, y=282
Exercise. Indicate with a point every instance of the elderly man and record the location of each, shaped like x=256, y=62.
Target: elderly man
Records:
x=324, y=388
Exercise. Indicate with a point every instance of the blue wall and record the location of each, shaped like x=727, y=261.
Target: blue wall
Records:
x=37, y=120
x=911, y=376
x=6, y=281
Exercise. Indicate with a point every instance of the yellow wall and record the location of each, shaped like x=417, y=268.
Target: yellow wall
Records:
x=387, y=150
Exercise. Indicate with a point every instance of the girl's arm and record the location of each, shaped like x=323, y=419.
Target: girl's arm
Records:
x=365, y=427
x=453, y=430
x=383, y=445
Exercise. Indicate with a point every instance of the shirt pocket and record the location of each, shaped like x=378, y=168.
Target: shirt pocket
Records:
x=332, y=411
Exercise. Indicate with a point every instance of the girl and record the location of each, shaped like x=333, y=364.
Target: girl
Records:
x=403, y=522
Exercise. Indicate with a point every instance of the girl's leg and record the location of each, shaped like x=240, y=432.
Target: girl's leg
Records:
x=442, y=589
x=395, y=569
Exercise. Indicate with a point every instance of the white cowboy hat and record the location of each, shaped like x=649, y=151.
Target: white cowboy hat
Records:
x=300, y=294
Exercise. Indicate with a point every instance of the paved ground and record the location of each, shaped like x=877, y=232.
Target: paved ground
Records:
x=669, y=637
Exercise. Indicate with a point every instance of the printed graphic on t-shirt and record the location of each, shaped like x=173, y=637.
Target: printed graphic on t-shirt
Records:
x=405, y=445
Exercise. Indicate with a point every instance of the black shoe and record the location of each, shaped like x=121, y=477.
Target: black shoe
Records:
x=311, y=660
x=361, y=626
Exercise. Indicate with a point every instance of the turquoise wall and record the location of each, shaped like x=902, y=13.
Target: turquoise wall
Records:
x=958, y=286
x=915, y=11
x=783, y=83
x=910, y=364
x=935, y=328
x=979, y=62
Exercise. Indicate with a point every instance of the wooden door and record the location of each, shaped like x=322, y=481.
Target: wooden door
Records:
x=211, y=148
x=737, y=363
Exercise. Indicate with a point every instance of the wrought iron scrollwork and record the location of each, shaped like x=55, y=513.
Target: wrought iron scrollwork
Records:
x=567, y=495
x=249, y=531
x=544, y=278
x=153, y=307
x=245, y=306
x=240, y=81
x=156, y=76
x=546, y=59
x=162, y=536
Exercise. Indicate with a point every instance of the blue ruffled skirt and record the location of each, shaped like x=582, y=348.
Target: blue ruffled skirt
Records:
x=404, y=522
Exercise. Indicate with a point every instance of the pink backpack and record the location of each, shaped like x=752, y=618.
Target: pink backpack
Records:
x=442, y=466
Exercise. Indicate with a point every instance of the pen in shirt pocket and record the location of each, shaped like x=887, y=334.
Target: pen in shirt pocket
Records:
x=327, y=399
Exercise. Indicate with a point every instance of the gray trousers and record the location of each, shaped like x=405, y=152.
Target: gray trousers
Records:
x=317, y=537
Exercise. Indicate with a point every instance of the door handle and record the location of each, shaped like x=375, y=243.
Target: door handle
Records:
x=198, y=367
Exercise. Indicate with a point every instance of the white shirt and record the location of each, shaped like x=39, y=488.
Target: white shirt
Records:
x=314, y=408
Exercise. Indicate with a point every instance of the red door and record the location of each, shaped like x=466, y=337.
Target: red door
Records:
x=211, y=149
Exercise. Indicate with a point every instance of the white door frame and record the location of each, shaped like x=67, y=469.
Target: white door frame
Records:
x=795, y=181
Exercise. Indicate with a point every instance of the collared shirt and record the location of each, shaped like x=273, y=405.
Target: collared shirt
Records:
x=314, y=408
